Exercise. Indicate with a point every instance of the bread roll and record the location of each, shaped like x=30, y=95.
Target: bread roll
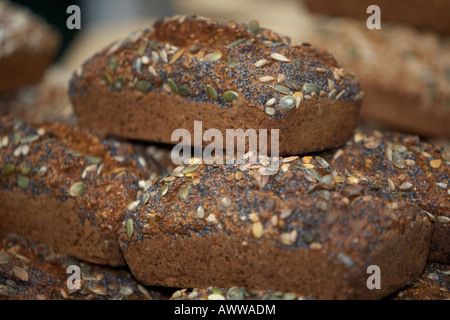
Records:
x=66, y=188
x=307, y=229
x=225, y=74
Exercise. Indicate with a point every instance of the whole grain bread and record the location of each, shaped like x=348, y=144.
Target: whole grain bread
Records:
x=67, y=187
x=404, y=72
x=27, y=47
x=190, y=68
x=305, y=228
x=402, y=165
x=422, y=14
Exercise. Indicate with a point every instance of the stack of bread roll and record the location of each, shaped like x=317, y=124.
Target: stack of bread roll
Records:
x=99, y=188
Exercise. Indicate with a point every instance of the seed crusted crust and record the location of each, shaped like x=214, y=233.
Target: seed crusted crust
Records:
x=402, y=165
x=234, y=226
x=66, y=187
x=221, y=72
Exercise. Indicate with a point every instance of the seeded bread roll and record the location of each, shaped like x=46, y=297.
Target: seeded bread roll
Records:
x=307, y=228
x=225, y=74
x=27, y=47
x=29, y=271
x=405, y=73
x=67, y=188
x=403, y=166
x=424, y=14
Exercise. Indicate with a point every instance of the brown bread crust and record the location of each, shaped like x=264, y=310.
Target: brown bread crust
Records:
x=285, y=232
x=124, y=89
x=36, y=182
x=402, y=165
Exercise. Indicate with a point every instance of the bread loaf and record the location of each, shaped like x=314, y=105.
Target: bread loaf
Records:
x=27, y=47
x=404, y=72
x=225, y=74
x=67, y=188
x=403, y=166
x=306, y=228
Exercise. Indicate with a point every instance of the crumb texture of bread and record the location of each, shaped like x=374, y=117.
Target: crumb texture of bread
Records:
x=225, y=74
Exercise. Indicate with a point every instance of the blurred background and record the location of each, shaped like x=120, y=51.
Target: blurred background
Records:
x=403, y=68
x=104, y=21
